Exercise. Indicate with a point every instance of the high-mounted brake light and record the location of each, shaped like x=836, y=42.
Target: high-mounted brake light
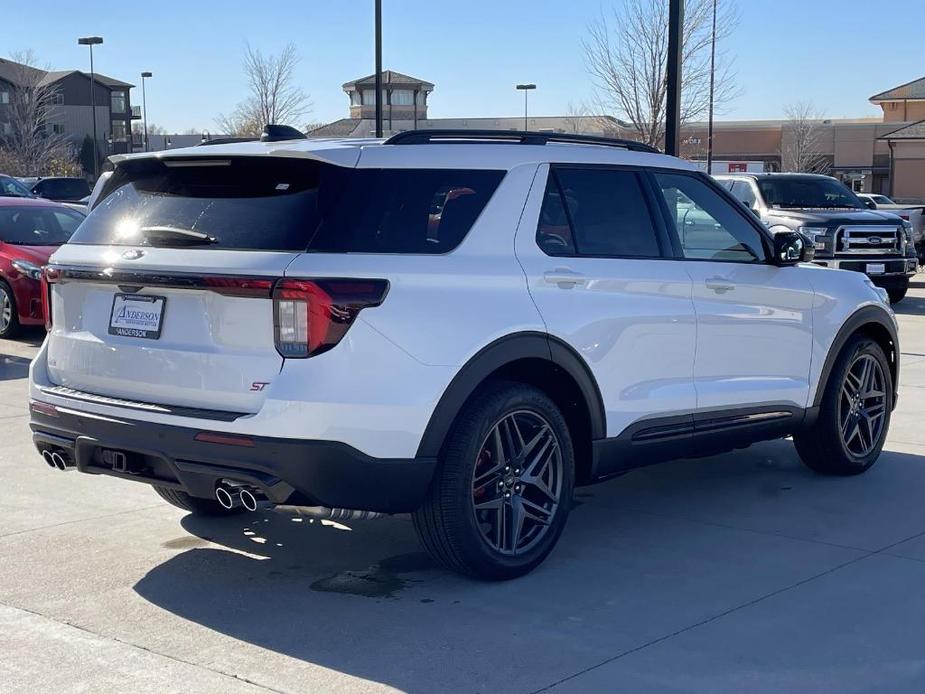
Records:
x=312, y=316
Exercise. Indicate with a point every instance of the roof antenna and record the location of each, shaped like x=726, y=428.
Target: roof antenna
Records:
x=277, y=133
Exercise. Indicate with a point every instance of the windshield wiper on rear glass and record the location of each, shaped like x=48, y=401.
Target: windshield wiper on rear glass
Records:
x=174, y=236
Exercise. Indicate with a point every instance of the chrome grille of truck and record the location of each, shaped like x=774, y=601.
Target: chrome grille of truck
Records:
x=868, y=240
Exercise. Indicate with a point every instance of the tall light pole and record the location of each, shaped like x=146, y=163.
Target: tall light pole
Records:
x=144, y=105
x=525, y=88
x=92, y=41
x=378, y=68
x=712, y=85
x=673, y=105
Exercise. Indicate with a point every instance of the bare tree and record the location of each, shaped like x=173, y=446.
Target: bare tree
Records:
x=274, y=97
x=626, y=54
x=801, y=140
x=31, y=141
x=578, y=119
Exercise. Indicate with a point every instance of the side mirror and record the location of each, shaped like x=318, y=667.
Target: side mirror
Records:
x=791, y=247
x=870, y=204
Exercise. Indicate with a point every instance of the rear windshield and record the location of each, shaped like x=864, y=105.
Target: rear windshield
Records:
x=279, y=204
x=63, y=188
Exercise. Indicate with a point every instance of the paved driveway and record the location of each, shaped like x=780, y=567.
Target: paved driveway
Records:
x=739, y=573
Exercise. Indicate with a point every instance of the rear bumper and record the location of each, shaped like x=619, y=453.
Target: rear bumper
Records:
x=323, y=473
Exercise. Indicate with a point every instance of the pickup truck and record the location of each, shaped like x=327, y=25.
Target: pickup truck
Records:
x=846, y=233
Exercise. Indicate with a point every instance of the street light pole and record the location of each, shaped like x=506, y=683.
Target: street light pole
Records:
x=673, y=105
x=525, y=88
x=92, y=41
x=712, y=85
x=378, y=68
x=144, y=105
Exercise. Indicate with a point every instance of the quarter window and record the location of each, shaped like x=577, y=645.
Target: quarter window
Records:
x=596, y=212
x=708, y=227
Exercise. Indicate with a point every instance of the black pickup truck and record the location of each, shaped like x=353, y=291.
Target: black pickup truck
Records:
x=845, y=232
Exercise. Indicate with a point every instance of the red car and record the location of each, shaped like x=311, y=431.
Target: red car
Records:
x=30, y=231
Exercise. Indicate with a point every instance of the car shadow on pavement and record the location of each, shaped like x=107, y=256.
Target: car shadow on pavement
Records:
x=643, y=556
x=13, y=368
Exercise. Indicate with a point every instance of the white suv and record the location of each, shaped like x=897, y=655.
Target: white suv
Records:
x=459, y=325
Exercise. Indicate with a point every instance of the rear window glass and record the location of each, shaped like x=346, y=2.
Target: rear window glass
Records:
x=63, y=188
x=282, y=204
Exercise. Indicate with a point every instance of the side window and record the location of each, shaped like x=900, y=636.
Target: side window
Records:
x=554, y=233
x=607, y=213
x=709, y=227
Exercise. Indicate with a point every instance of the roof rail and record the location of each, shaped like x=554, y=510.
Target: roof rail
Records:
x=425, y=137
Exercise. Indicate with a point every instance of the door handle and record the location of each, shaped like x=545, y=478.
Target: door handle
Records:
x=719, y=285
x=564, y=277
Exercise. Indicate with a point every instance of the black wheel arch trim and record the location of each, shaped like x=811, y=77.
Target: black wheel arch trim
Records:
x=497, y=354
x=858, y=319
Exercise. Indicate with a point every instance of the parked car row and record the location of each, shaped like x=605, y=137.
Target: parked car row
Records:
x=69, y=190
x=461, y=326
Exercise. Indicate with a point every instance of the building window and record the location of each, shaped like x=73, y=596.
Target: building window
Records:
x=119, y=102
x=369, y=97
x=119, y=132
x=402, y=97
x=57, y=128
x=57, y=98
x=354, y=98
x=4, y=97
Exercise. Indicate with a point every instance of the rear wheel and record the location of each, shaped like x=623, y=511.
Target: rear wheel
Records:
x=9, y=320
x=854, y=415
x=193, y=504
x=502, y=493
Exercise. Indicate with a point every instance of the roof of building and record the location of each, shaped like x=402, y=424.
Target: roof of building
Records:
x=19, y=74
x=904, y=92
x=390, y=77
x=373, y=153
x=345, y=127
x=916, y=131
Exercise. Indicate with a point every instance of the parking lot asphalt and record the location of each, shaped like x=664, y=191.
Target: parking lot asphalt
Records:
x=739, y=573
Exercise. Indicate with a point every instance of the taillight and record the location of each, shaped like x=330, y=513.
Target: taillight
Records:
x=50, y=276
x=312, y=316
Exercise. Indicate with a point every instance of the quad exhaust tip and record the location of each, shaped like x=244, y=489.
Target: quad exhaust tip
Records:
x=58, y=459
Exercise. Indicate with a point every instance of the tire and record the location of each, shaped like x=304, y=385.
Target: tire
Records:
x=536, y=487
x=9, y=319
x=823, y=447
x=897, y=294
x=193, y=504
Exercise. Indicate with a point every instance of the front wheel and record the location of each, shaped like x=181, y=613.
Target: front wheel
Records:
x=854, y=415
x=9, y=321
x=501, y=495
x=897, y=294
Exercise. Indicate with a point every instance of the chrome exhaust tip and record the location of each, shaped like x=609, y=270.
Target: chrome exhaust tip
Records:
x=46, y=456
x=227, y=498
x=58, y=461
x=248, y=500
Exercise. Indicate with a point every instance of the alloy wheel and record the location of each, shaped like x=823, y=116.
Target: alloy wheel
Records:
x=6, y=310
x=517, y=482
x=862, y=406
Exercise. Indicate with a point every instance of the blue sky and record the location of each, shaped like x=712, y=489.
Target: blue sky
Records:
x=835, y=52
